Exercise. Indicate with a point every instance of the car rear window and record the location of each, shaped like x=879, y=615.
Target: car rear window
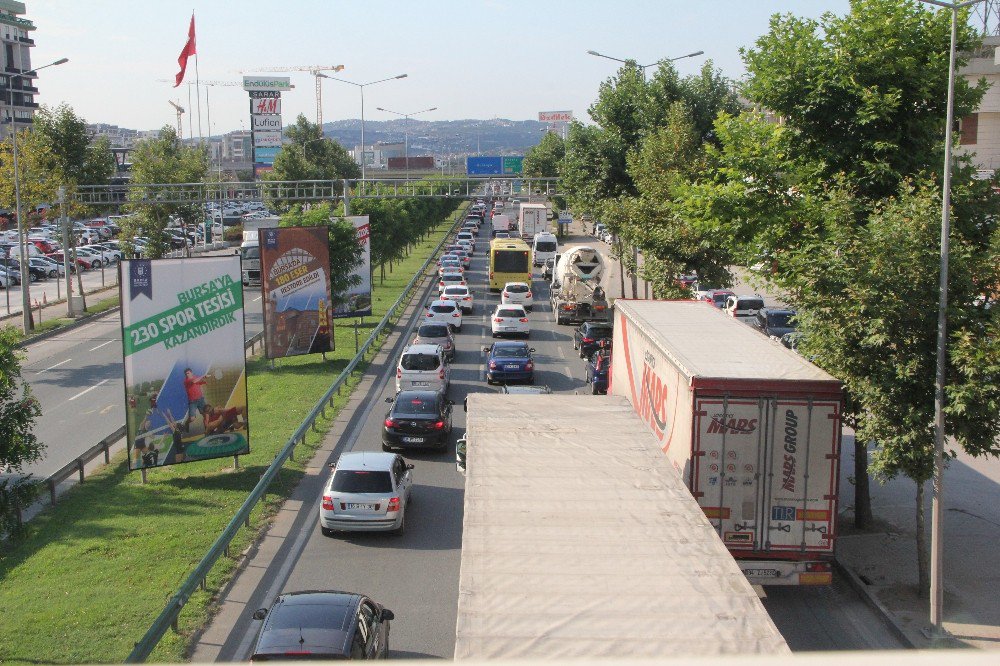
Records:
x=516, y=288
x=422, y=362
x=433, y=331
x=749, y=304
x=780, y=319
x=545, y=246
x=443, y=309
x=600, y=331
x=361, y=481
x=510, y=352
x=414, y=407
x=456, y=291
x=509, y=312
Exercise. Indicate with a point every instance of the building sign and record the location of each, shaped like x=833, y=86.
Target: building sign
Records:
x=267, y=139
x=266, y=123
x=269, y=106
x=184, y=360
x=269, y=83
x=555, y=116
x=264, y=94
x=295, y=280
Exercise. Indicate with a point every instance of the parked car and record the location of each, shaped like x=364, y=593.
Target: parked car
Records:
x=744, y=308
x=598, y=366
x=82, y=263
x=417, y=419
x=509, y=361
x=96, y=260
x=687, y=281
x=775, y=322
x=717, y=297
x=510, y=320
x=367, y=492
x=460, y=294
x=444, y=312
x=588, y=336
x=35, y=272
x=423, y=367
x=437, y=334
x=322, y=625
x=51, y=268
x=518, y=293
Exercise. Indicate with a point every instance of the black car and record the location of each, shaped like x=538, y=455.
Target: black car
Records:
x=34, y=272
x=322, y=625
x=775, y=322
x=417, y=419
x=587, y=338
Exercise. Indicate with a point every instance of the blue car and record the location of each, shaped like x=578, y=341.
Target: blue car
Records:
x=509, y=362
x=597, y=371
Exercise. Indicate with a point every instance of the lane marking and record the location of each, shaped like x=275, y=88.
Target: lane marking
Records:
x=562, y=354
x=568, y=373
x=102, y=345
x=256, y=299
x=108, y=409
x=55, y=366
x=85, y=391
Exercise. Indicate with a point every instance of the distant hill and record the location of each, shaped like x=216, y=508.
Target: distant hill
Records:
x=488, y=137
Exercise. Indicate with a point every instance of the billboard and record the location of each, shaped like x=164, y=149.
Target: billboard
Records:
x=295, y=282
x=184, y=360
x=422, y=162
x=555, y=116
x=358, y=299
x=268, y=83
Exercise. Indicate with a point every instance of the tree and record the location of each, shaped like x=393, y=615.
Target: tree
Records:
x=82, y=161
x=18, y=445
x=308, y=155
x=345, y=250
x=542, y=161
x=163, y=160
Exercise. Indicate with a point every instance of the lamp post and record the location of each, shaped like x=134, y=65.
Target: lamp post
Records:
x=406, y=133
x=937, y=542
x=643, y=67
x=22, y=238
x=361, y=86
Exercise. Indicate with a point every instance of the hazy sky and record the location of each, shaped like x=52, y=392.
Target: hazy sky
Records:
x=471, y=59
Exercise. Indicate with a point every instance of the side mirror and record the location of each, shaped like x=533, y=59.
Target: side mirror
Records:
x=531, y=349
x=387, y=615
x=236, y=252
x=409, y=466
x=486, y=348
x=260, y=614
x=389, y=399
x=450, y=403
x=332, y=465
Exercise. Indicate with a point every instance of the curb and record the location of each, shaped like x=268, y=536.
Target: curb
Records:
x=869, y=598
x=76, y=323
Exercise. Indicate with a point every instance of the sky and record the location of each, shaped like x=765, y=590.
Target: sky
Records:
x=470, y=59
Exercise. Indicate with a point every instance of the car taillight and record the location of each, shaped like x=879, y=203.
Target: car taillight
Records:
x=390, y=423
x=587, y=340
x=327, y=503
x=441, y=373
x=456, y=314
x=430, y=314
x=439, y=425
x=528, y=295
x=493, y=365
x=529, y=366
x=817, y=566
x=523, y=320
x=498, y=320
x=505, y=294
x=393, y=504
x=399, y=373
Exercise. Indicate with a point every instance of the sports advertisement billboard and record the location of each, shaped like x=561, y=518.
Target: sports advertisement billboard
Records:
x=357, y=302
x=295, y=281
x=184, y=360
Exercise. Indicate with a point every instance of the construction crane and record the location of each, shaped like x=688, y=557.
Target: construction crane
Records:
x=180, y=122
x=316, y=71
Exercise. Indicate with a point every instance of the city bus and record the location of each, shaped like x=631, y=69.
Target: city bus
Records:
x=510, y=261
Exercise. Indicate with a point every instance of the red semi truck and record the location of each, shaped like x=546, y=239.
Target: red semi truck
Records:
x=752, y=427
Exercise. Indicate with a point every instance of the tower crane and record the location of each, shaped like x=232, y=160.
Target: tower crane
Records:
x=180, y=122
x=316, y=71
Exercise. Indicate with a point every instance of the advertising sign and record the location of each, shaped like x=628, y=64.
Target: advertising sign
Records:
x=358, y=300
x=270, y=83
x=265, y=154
x=295, y=281
x=185, y=365
x=262, y=94
x=266, y=106
x=261, y=168
x=266, y=123
x=267, y=139
x=555, y=116
x=483, y=166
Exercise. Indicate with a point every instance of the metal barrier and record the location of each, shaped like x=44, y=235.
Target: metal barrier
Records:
x=168, y=617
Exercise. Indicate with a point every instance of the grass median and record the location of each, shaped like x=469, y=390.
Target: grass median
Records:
x=92, y=573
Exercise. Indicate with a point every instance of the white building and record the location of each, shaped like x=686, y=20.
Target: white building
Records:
x=979, y=132
x=18, y=88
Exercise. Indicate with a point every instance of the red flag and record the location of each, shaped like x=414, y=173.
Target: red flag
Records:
x=189, y=50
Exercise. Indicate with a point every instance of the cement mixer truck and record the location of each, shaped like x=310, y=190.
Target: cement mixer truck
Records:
x=576, y=292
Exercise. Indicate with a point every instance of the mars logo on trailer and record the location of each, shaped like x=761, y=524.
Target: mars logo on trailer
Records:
x=791, y=444
x=652, y=397
x=726, y=425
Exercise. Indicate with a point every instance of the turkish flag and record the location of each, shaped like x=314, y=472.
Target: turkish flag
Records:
x=189, y=50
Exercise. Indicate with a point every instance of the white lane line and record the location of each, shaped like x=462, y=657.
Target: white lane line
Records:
x=102, y=345
x=568, y=373
x=257, y=299
x=85, y=391
x=562, y=354
x=55, y=366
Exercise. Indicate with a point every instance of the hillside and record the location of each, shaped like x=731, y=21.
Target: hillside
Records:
x=488, y=137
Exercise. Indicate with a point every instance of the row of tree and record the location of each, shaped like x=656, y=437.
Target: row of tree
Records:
x=826, y=178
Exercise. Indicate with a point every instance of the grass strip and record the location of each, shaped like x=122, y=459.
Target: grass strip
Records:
x=92, y=573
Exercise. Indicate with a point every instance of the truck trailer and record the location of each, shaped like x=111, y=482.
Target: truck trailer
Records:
x=752, y=427
x=580, y=541
x=531, y=220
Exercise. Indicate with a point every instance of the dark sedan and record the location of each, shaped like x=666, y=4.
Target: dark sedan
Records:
x=587, y=338
x=510, y=362
x=775, y=322
x=597, y=370
x=417, y=419
x=322, y=625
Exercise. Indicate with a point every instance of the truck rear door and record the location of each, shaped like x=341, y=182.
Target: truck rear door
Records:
x=765, y=472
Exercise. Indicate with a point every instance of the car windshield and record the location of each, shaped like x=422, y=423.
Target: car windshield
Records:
x=516, y=288
x=545, y=246
x=509, y=312
x=433, y=331
x=780, y=319
x=361, y=481
x=510, y=352
x=414, y=406
x=421, y=362
x=442, y=309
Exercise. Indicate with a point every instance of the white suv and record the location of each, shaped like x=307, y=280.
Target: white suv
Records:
x=510, y=320
x=517, y=293
x=423, y=367
x=460, y=294
x=444, y=312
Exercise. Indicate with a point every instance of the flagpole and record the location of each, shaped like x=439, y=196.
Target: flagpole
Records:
x=197, y=83
x=190, y=115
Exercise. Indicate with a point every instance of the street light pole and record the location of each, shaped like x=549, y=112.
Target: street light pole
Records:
x=22, y=237
x=406, y=132
x=937, y=497
x=362, y=87
x=643, y=67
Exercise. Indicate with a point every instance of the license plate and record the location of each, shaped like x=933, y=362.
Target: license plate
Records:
x=511, y=367
x=413, y=440
x=353, y=505
x=762, y=573
x=510, y=328
x=419, y=383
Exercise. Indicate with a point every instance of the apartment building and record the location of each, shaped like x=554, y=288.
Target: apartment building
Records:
x=17, y=84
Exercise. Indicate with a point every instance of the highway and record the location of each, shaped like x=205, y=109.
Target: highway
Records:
x=416, y=575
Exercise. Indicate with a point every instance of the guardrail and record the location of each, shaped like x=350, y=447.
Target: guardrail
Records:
x=168, y=617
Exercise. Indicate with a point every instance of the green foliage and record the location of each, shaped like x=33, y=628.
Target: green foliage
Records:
x=346, y=252
x=81, y=161
x=38, y=174
x=163, y=160
x=310, y=156
x=18, y=444
x=542, y=161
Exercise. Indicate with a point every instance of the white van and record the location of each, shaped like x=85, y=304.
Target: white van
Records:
x=543, y=247
x=744, y=308
x=423, y=367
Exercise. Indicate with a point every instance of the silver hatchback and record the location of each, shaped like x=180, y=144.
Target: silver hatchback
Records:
x=367, y=492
